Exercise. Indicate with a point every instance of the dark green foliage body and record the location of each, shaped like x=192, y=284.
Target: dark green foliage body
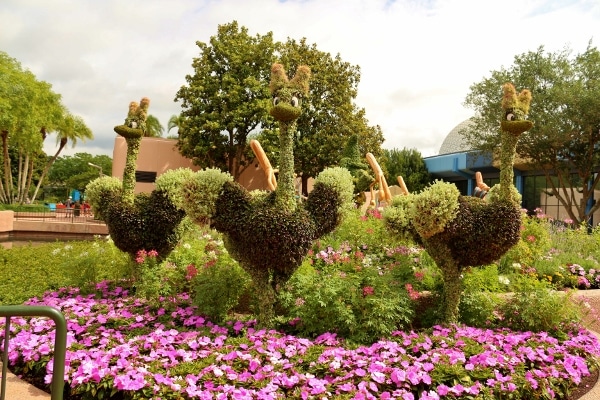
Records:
x=149, y=223
x=481, y=232
x=323, y=205
x=267, y=238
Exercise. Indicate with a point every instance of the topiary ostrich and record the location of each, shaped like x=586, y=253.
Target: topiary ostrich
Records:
x=269, y=234
x=143, y=221
x=462, y=231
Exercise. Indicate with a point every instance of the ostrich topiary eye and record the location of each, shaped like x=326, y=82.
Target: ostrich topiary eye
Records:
x=510, y=116
x=275, y=101
x=294, y=102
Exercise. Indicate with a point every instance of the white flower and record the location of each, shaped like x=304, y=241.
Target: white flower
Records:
x=503, y=280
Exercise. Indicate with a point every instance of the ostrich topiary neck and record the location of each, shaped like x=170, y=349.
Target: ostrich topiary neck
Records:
x=507, y=159
x=133, y=148
x=285, y=193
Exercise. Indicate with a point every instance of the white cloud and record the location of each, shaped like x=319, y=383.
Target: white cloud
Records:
x=417, y=58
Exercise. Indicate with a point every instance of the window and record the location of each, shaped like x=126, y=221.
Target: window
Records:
x=145, y=176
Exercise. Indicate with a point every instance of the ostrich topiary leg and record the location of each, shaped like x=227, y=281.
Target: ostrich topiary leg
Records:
x=451, y=272
x=265, y=294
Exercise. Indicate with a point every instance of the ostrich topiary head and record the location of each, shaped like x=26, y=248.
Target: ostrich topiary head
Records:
x=516, y=108
x=287, y=94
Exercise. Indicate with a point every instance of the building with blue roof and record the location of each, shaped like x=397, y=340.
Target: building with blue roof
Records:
x=456, y=162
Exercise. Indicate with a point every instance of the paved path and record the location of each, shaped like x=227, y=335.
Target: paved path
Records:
x=16, y=389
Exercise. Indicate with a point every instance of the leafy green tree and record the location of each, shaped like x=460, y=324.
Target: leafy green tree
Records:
x=226, y=99
x=330, y=117
x=74, y=172
x=409, y=164
x=174, y=122
x=226, y=102
x=29, y=111
x=71, y=129
x=565, y=138
x=153, y=127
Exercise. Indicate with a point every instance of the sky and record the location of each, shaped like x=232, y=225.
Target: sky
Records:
x=418, y=58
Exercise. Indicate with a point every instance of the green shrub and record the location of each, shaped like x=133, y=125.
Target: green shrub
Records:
x=200, y=193
x=361, y=306
x=367, y=231
x=219, y=283
x=478, y=309
x=100, y=191
x=29, y=271
x=340, y=180
x=480, y=297
x=172, y=182
x=398, y=218
x=533, y=244
x=536, y=308
x=434, y=208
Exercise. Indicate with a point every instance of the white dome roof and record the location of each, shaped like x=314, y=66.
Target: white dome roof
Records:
x=454, y=141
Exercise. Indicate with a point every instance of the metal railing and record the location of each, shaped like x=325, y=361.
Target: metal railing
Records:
x=60, y=344
x=60, y=215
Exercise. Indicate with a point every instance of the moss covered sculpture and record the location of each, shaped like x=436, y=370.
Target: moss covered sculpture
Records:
x=462, y=231
x=361, y=176
x=143, y=221
x=269, y=234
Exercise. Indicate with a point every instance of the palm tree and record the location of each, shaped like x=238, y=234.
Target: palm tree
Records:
x=174, y=122
x=153, y=127
x=71, y=128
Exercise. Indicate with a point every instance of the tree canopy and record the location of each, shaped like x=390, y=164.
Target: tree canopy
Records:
x=565, y=138
x=29, y=111
x=227, y=100
x=409, y=164
x=75, y=172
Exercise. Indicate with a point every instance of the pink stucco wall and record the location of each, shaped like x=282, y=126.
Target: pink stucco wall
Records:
x=160, y=155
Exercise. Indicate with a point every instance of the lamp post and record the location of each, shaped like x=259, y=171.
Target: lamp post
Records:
x=98, y=167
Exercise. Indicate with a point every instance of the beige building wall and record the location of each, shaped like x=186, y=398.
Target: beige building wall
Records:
x=156, y=155
x=160, y=155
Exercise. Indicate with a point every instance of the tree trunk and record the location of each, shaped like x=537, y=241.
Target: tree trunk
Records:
x=29, y=179
x=304, y=184
x=63, y=143
x=7, y=172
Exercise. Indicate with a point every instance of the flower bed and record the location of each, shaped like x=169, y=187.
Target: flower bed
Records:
x=120, y=344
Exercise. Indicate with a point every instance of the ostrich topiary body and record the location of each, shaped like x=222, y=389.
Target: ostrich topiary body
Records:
x=146, y=221
x=462, y=231
x=270, y=234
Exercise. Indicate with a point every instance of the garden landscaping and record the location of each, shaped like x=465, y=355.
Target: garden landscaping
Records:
x=355, y=320
x=444, y=296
